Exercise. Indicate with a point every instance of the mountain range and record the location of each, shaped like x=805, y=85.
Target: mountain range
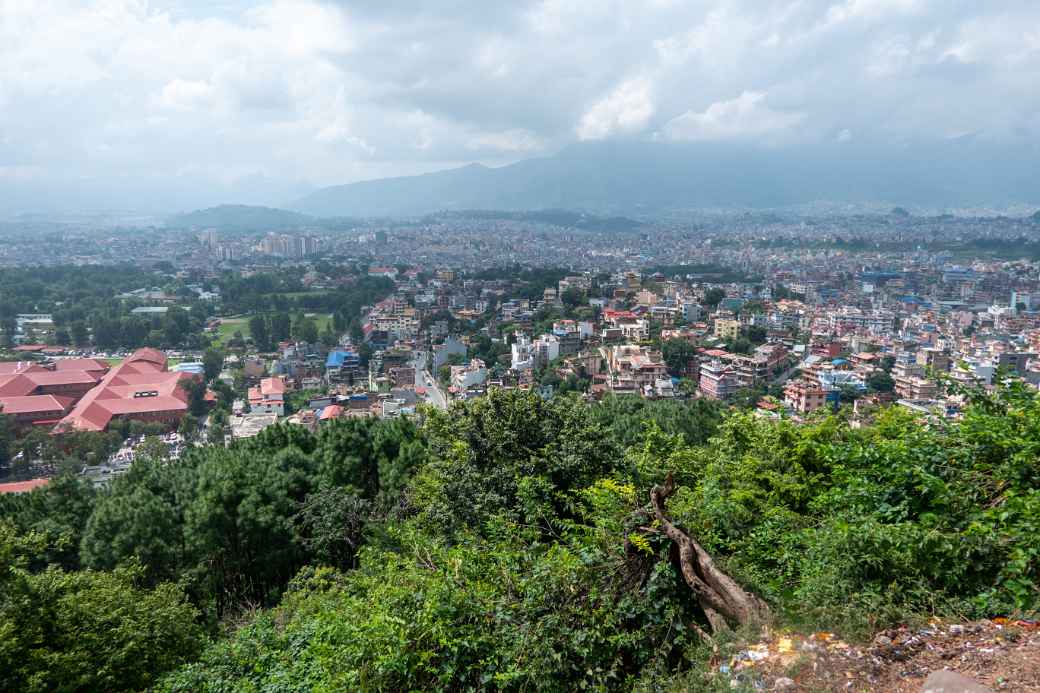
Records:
x=646, y=177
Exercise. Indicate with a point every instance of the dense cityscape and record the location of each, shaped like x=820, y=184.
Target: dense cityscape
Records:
x=786, y=316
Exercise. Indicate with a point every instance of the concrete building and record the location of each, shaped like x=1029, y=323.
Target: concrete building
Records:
x=268, y=397
x=726, y=329
x=804, y=396
x=633, y=369
x=717, y=380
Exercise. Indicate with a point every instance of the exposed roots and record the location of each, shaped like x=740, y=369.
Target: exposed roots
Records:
x=723, y=600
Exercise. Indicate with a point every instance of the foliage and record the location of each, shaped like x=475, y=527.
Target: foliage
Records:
x=677, y=354
x=505, y=543
x=86, y=630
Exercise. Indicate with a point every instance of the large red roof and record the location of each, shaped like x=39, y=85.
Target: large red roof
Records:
x=16, y=386
x=139, y=385
x=34, y=404
x=80, y=365
x=61, y=377
x=14, y=367
x=23, y=486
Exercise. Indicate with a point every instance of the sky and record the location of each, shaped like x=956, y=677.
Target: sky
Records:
x=182, y=103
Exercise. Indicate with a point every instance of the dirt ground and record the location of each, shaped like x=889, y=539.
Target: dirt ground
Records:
x=1002, y=654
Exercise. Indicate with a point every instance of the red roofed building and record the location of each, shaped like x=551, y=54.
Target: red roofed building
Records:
x=140, y=389
x=40, y=394
x=333, y=411
x=35, y=410
x=76, y=364
x=22, y=486
x=269, y=396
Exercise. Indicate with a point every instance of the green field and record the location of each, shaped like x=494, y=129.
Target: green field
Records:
x=229, y=326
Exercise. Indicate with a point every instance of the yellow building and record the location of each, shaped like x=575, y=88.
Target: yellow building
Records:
x=727, y=329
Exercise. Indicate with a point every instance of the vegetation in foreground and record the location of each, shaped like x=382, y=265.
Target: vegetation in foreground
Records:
x=510, y=544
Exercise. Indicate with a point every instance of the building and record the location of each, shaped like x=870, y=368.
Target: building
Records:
x=633, y=369
x=915, y=388
x=471, y=375
x=35, y=410
x=522, y=353
x=442, y=353
x=268, y=397
x=804, y=396
x=1015, y=362
x=727, y=329
x=141, y=388
x=35, y=394
x=933, y=359
x=342, y=366
x=717, y=380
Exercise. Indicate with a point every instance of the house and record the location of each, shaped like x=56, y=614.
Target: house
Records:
x=804, y=396
x=633, y=369
x=269, y=396
x=726, y=329
x=471, y=375
x=717, y=380
x=442, y=353
x=342, y=366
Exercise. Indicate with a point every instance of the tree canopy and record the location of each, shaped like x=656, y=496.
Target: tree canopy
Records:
x=511, y=543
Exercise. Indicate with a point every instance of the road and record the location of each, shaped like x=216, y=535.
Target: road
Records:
x=783, y=377
x=423, y=379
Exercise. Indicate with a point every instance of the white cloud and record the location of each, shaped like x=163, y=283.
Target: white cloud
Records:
x=507, y=141
x=745, y=116
x=185, y=95
x=329, y=91
x=626, y=109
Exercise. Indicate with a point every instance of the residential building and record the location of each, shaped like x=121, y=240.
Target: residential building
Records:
x=717, y=380
x=804, y=396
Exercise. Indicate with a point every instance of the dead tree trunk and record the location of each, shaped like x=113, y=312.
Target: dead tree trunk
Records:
x=723, y=600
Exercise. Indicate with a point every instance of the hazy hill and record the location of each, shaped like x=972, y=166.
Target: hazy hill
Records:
x=240, y=218
x=633, y=177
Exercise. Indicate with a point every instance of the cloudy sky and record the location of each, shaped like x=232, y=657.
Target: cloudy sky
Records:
x=186, y=102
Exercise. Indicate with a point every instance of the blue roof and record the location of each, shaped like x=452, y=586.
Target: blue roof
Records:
x=337, y=358
x=839, y=362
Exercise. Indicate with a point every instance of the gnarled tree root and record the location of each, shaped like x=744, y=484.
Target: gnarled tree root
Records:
x=724, y=601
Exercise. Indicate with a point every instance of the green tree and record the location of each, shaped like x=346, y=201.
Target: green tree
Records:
x=87, y=630
x=258, y=329
x=712, y=297
x=677, y=354
x=881, y=382
x=212, y=362
x=305, y=329
x=196, y=391
x=281, y=328
x=78, y=333
x=142, y=517
x=331, y=526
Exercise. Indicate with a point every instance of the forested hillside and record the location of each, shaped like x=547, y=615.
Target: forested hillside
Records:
x=511, y=543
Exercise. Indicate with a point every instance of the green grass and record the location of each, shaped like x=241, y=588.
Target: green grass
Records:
x=226, y=330
x=228, y=327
